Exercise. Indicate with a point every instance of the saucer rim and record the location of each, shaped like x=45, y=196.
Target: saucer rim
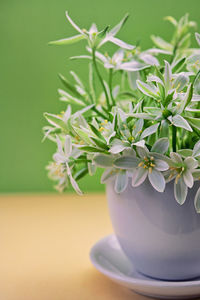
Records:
x=133, y=280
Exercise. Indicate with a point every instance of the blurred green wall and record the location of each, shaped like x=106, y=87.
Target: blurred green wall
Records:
x=29, y=69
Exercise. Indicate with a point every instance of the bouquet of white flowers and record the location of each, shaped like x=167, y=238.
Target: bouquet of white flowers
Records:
x=143, y=124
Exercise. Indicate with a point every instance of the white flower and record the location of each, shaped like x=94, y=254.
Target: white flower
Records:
x=182, y=171
x=118, y=62
x=95, y=38
x=147, y=165
x=62, y=157
x=57, y=173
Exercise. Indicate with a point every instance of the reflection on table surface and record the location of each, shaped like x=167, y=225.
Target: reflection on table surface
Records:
x=45, y=244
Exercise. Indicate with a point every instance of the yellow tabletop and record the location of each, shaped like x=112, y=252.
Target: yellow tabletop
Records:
x=44, y=248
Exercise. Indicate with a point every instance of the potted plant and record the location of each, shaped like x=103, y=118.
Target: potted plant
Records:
x=138, y=118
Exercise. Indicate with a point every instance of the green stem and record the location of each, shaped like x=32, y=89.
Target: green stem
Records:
x=174, y=138
x=174, y=52
x=99, y=113
x=100, y=78
x=110, y=85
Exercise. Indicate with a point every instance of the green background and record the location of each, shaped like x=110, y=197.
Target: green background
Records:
x=29, y=69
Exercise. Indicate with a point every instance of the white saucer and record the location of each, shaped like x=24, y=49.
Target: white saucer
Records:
x=107, y=257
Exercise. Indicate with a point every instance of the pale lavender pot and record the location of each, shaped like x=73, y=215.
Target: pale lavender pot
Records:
x=160, y=237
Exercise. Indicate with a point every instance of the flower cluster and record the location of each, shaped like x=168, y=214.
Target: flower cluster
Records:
x=140, y=120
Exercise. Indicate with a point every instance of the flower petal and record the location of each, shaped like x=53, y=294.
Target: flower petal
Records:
x=120, y=43
x=126, y=162
x=73, y=24
x=176, y=158
x=188, y=178
x=161, y=165
x=121, y=182
x=157, y=180
x=179, y=121
x=59, y=158
x=197, y=35
x=117, y=146
x=150, y=130
x=191, y=163
x=180, y=191
x=68, y=145
x=103, y=161
x=59, y=145
x=108, y=173
x=117, y=27
x=196, y=150
x=139, y=176
x=161, y=145
x=68, y=41
x=197, y=201
x=142, y=151
x=72, y=181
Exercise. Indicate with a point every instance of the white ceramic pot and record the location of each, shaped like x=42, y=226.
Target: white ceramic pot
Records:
x=160, y=237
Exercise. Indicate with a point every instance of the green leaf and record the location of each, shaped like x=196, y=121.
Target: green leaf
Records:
x=178, y=65
x=96, y=132
x=121, y=182
x=56, y=121
x=99, y=143
x=149, y=130
x=103, y=161
x=69, y=86
x=116, y=123
x=197, y=200
x=169, y=98
x=126, y=162
x=161, y=145
x=81, y=173
x=90, y=149
x=68, y=41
